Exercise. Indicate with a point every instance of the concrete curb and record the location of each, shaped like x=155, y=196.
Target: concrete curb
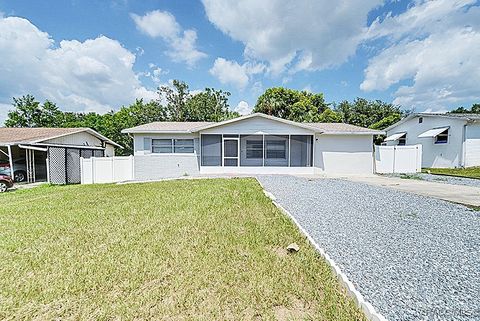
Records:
x=365, y=306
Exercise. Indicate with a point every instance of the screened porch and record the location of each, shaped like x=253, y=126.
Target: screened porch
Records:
x=263, y=150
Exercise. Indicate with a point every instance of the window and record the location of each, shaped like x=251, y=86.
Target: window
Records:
x=254, y=149
x=183, y=146
x=442, y=138
x=276, y=149
x=161, y=146
x=420, y=120
x=402, y=141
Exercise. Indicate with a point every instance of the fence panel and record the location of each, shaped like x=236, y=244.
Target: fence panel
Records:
x=107, y=169
x=398, y=159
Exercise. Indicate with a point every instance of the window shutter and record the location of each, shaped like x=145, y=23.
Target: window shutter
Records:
x=147, y=145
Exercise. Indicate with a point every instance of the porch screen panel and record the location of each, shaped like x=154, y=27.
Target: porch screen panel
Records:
x=301, y=149
x=211, y=150
x=276, y=150
x=251, y=150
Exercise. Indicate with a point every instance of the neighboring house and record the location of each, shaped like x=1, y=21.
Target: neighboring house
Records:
x=252, y=144
x=448, y=140
x=50, y=153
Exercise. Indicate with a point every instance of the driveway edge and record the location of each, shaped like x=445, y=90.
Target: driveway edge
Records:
x=365, y=306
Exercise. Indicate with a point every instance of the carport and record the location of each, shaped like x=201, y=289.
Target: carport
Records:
x=31, y=162
x=50, y=154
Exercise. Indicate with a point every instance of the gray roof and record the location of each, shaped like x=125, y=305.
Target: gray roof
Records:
x=190, y=127
x=466, y=117
x=452, y=115
x=335, y=128
x=167, y=127
x=24, y=135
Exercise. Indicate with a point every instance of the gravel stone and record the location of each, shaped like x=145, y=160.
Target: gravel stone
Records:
x=412, y=257
x=450, y=179
x=453, y=180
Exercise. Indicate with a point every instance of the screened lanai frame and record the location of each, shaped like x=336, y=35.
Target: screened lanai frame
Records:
x=298, y=150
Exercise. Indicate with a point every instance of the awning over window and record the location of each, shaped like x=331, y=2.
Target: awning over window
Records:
x=394, y=137
x=433, y=132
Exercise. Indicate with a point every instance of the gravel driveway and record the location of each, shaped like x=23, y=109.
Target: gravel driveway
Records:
x=412, y=257
x=453, y=180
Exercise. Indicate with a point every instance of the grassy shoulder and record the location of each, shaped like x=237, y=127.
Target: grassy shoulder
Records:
x=197, y=249
x=470, y=172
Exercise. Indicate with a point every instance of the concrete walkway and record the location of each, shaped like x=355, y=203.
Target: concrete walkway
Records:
x=467, y=195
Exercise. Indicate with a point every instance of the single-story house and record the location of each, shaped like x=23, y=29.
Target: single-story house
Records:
x=448, y=140
x=50, y=154
x=252, y=144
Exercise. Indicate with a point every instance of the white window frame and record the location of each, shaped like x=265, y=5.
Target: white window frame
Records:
x=172, y=150
x=189, y=139
x=152, y=147
x=443, y=134
x=403, y=139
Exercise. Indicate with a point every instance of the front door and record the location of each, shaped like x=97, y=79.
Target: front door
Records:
x=230, y=151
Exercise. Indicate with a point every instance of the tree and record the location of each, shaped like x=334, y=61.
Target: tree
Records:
x=475, y=109
x=176, y=99
x=301, y=106
x=138, y=113
x=209, y=105
x=367, y=113
x=29, y=113
x=386, y=122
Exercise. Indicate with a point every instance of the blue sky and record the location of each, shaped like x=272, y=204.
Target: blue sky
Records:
x=98, y=55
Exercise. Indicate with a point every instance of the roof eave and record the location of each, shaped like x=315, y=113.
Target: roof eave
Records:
x=233, y=120
x=156, y=131
x=354, y=133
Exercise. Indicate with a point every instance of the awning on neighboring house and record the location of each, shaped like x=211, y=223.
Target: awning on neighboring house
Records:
x=394, y=137
x=433, y=132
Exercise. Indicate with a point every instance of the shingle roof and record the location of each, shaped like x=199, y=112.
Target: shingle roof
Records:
x=452, y=115
x=166, y=127
x=189, y=127
x=467, y=117
x=332, y=128
x=35, y=135
x=30, y=135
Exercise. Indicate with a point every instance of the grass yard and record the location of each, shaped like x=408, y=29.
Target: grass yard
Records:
x=470, y=172
x=187, y=249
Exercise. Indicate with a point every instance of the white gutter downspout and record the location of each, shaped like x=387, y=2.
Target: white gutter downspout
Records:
x=464, y=145
x=10, y=158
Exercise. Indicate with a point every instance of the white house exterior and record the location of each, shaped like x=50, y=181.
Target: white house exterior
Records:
x=448, y=140
x=252, y=144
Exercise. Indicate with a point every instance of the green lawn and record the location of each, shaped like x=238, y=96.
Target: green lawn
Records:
x=187, y=249
x=470, y=172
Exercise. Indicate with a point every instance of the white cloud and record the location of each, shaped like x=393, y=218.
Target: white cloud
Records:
x=295, y=35
x=162, y=24
x=94, y=75
x=4, y=108
x=154, y=73
x=434, y=48
x=243, y=108
x=437, y=111
x=231, y=72
x=424, y=18
x=308, y=88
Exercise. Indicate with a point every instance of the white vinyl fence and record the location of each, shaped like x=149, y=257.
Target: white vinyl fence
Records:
x=106, y=169
x=398, y=159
